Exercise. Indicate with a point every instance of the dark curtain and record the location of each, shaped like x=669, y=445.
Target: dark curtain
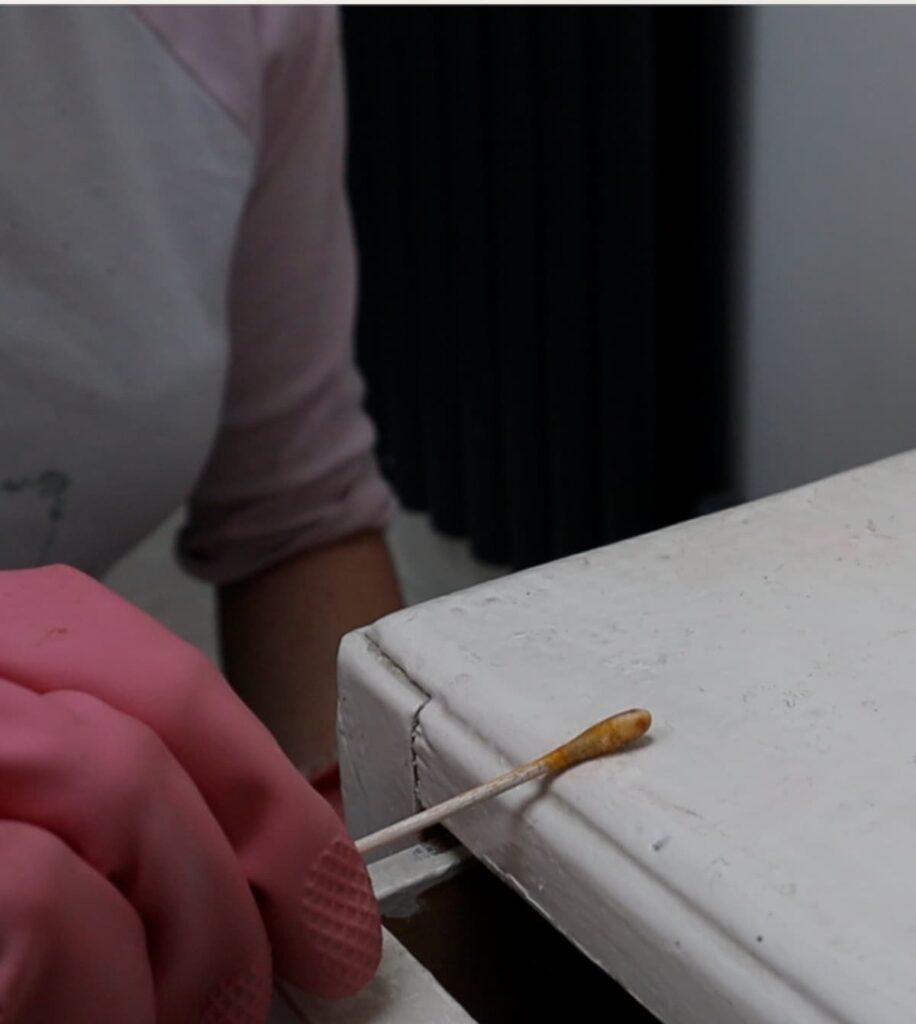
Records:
x=542, y=199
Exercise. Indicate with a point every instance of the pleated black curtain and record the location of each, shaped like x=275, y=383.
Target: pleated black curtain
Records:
x=542, y=200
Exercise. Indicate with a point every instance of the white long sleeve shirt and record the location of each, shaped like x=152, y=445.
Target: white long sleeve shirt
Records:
x=176, y=288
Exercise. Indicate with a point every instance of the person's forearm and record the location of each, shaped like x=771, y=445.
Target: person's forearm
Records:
x=280, y=631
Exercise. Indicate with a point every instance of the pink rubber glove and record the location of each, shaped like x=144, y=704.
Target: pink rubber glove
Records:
x=155, y=844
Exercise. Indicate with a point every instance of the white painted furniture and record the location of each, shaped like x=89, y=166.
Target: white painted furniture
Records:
x=402, y=992
x=755, y=861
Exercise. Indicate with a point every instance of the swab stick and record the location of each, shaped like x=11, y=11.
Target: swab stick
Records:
x=602, y=738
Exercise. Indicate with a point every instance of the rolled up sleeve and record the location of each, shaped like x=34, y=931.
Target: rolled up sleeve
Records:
x=293, y=465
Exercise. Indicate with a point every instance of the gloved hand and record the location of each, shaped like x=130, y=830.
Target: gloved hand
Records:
x=155, y=843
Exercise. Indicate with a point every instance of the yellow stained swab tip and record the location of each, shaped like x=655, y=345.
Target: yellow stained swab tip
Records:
x=602, y=738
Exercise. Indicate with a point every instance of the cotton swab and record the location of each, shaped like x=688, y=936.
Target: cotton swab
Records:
x=602, y=738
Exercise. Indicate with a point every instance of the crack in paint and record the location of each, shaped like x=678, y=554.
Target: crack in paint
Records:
x=415, y=723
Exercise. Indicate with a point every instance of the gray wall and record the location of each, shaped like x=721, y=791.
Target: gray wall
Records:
x=829, y=377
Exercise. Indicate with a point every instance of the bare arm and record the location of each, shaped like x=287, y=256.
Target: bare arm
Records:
x=280, y=631
x=287, y=514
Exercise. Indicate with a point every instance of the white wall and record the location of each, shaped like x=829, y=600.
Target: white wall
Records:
x=829, y=379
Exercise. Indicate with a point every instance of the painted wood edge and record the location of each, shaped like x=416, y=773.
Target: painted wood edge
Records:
x=662, y=948
x=402, y=992
x=378, y=708
x=400, y=880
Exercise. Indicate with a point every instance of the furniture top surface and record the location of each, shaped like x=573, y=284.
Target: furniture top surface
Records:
x=775, y=645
